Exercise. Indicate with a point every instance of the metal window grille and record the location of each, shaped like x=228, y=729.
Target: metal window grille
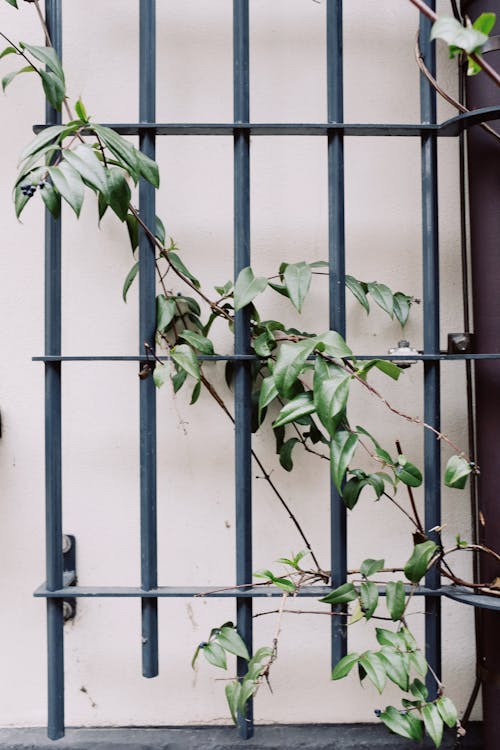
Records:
x=58, y=585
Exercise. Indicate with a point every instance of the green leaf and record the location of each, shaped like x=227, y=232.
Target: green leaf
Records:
x=184, y=356
x=395, y=667
x=402, y=304
x=456, y=473
x=370, y=566
x=374, y=669
x=165, y=312
x=416, y=566
x=395, y=599
x=419, y=690
x=382, y=296
x=457, y=36
x=408, y=473
x=433, y=723
x=447, y=711
x=290, y=363
x=196, y=393
x=351, y=492
x=10, y=76
x=268, y=393
x=214, y=654
x=121, y=148
x=388, y=368
x=388, y=638
x=118, y=192
x=132, y=228
x=129, y=279
x=247, y=287
x=159, y=230
x=405, y=725
x=297, y=278
x=160, y=374
x=264, y=344
x=20, y=201
x=359, y=290
x=48, y=56
x=418, y=662
x=344, y=666
x=53, y=87
x=197, y=341
x=233, y=690
x=44, y=137
x=178, y=380
x=248, y=688
x=381, y=452
x=341, y=595
x=285, y=585
x=52, y=199
x=148, y=169
x=286, y=453
x=231, y=641
x=81, y=111
x=8, y=50
x=69, y=184
x=485, y=22
x=342, y=448
x=368, y=594
x=84, y=160
x=332, y=344
x=331, y=391
x=13, y=3
x=298, y=407
x=179, y=266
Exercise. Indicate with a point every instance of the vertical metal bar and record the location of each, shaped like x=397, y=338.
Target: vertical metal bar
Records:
x=432, y=415
x=336, y=256
x=53, y=476
x=147, y=328
x=242, y=380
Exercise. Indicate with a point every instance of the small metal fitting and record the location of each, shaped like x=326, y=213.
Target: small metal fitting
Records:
x=403, y=349
x=460, y=343
x=66, y=544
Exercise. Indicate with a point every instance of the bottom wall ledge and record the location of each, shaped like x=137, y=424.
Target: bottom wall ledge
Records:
x=274, y=737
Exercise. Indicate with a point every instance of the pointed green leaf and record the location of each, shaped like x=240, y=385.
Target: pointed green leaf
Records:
x=233, y=690
x=148, y=169
x=374, y=669
x=368, y=594
x=408, y=473
x=418, y=662
x=332, y=344
x=84, y=160
x=395, y=599
x=129, y=279
x=370, y=566
x=419, y=690
x=44, y=137
x=297, y=278
x=53, y=87
x=286, y=453
x=381, y=452
x=433, y=723
x=52, y=199
x=285, y=585
x=382, y=296
x=456, y=473
x=447, y=711
x=395, y=667
x=331, y=391
x=248, y=688
x=214, y=654
x=179, y=266
x=160, y=374
x=165, y=312
x=342, y=448
x=298, y=407
x=344, y=666
x=8, y=50
x=118, y=192
x=485, y=22
x=10, y=76
x=341, y=595
x=358, y=289
x=231, y=641
x=247, y=287
x=416, y=566
x=47, y=55
x=13, y=3
x=81, y=111
x=290, y=363
x=197, y=341
x=402, y=304
x=121, y=148
x=69, y=184
x=268, y=393
x=405, y=725
x=184, y=356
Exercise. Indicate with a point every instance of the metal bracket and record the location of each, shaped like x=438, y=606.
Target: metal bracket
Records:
x=460, y=343
x=69, y=574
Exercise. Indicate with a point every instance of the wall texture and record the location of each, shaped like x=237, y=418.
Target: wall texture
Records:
x=100, y=401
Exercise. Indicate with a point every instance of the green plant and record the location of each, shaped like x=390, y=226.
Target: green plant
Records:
x=306, y=376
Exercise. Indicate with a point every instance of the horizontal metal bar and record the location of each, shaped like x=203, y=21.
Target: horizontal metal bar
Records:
x=231, y=357
x=262, y=592
x=448, y=128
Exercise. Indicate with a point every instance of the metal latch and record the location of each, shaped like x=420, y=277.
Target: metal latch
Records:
x=69, y=574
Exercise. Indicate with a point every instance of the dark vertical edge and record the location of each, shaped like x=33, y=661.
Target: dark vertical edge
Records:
x=242, y=379
x=432, y=416
x=53, y=475
x=336, y=256
x=147, y=328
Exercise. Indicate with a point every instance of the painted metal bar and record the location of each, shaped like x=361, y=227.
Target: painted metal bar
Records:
x=147, y=327
x=242, y=378
x=53, y=454
x=251, y=357
x=336, y=256
x=432, y=406
x=224, y=592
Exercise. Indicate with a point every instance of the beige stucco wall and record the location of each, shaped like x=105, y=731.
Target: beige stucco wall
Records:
x=289, y=221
